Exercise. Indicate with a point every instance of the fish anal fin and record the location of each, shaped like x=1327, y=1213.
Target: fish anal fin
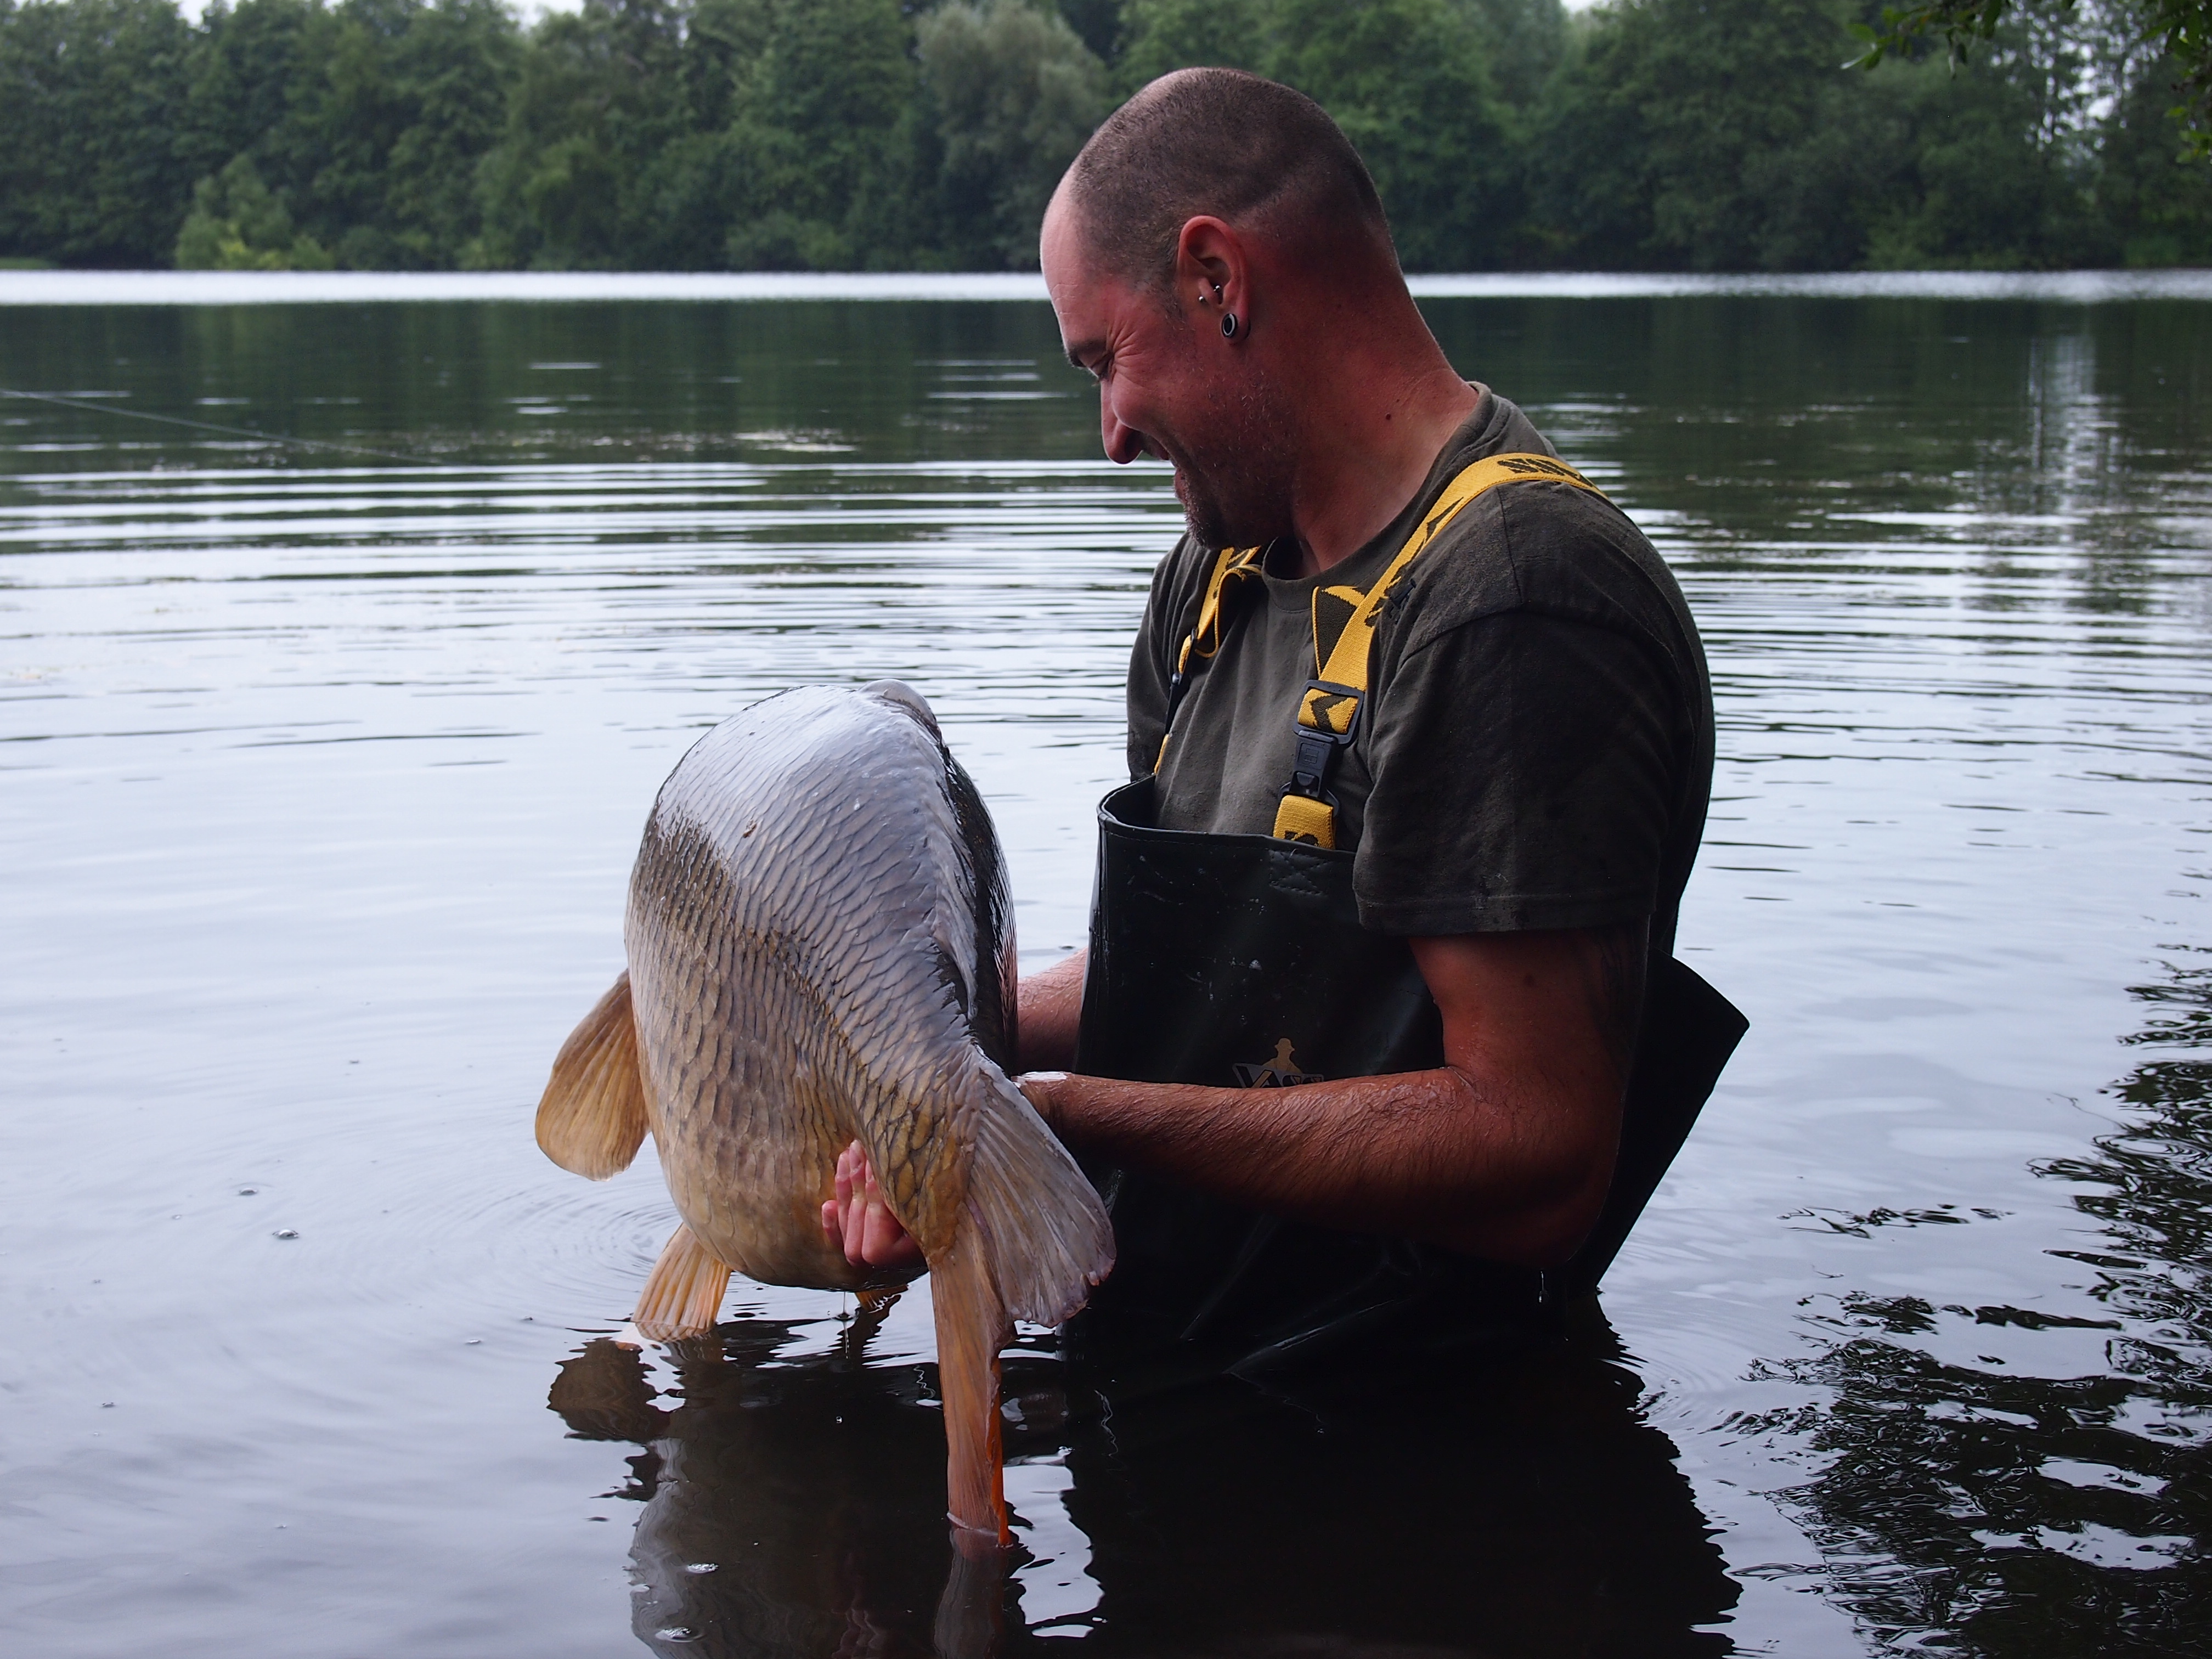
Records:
x=972, y=1326
x=682, y=1297
x=591, y=1119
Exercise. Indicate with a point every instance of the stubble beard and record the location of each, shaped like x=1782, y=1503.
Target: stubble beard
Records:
x=1237, y=475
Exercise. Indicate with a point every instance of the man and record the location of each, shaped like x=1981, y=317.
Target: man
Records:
x=1419, y=780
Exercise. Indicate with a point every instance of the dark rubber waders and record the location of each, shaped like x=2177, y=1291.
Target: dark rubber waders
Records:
x=1239, y=961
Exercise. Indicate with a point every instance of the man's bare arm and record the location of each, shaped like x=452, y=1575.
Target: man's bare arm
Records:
x=1505, y=1151
x=1051, y=1009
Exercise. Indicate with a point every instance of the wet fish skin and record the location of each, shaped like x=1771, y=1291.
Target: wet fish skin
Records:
x=821, y=949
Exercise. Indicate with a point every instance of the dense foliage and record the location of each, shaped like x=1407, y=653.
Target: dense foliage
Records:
x=870, y=134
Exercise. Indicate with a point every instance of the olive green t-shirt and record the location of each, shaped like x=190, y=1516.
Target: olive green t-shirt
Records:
x=1537, y=744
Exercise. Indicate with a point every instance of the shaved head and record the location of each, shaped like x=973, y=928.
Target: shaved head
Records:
x=1219, y=142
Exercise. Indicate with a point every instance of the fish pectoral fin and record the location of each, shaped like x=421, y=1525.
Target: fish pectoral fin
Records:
x=683, y=1295
x=591, y=1119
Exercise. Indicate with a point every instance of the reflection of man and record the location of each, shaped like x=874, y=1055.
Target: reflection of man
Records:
x=1419, y=780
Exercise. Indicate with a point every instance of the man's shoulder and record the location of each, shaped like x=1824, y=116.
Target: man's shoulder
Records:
x=1546, y=547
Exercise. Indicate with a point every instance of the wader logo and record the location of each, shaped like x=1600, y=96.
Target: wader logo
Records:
x=1281, y=1072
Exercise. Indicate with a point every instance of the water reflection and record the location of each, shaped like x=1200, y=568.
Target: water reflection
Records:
x=2045, y=1515
x=792, y=1506
x=793, y=1499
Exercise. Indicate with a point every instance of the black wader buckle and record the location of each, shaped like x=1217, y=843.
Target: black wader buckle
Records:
x=1329, y=720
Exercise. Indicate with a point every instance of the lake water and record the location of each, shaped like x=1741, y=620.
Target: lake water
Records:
x=325, y=768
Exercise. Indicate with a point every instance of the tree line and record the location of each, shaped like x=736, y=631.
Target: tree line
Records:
x=704, y=134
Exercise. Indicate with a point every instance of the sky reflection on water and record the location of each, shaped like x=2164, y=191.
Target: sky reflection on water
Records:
x=323, y=774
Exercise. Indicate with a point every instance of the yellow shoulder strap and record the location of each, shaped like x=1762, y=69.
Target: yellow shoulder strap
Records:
x=1231, y=566
x=1328, y=709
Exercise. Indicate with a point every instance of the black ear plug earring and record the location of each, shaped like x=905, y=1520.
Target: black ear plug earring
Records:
x=1228, y=324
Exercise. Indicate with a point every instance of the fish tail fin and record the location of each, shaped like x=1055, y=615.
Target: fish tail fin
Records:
x=591, y=1119
x=972, y=1326
x=1045, y=1235
x=683, y=1295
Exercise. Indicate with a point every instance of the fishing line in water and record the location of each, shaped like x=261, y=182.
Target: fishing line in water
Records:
x=206, y=426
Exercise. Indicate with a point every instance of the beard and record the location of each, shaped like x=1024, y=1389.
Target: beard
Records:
x=1234, y=478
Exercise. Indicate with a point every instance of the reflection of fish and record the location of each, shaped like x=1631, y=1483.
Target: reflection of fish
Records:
x=788, y=1506
x=786, y=1498
x=821, y=949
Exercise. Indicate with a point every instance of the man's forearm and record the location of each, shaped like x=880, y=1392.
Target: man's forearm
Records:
x=1051, y=1009
x=1424, y=1154
x=1505, y=1151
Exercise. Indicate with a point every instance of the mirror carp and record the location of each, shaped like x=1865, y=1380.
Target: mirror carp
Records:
x=821, y=945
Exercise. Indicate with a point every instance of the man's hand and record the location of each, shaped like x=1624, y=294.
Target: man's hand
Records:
x=860, y=1224
x=858, y=1221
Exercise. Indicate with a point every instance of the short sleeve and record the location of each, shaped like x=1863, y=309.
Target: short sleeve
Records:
x=1524, y=770
x=1152, y=659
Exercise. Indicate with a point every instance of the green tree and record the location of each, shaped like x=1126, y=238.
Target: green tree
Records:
x=366, y=122
x=248, y=68
x=92, y=97
x=1098, y=24
x=1999, y=168
x=1160, y=35
x=416, y=96
x=1407, y=80
x=587, y=116
x=823, y=141
x=1014, y=94
x=1525, y=40
x=2182, y=30
x=237, y=224
x=1709, y=135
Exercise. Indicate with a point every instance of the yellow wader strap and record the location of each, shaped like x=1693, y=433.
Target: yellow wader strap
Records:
x=1231, y=566
x=1328, y=709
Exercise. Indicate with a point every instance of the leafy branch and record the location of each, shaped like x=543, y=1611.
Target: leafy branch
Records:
x=2183, y=29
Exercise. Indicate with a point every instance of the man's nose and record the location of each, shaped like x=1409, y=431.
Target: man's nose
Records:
x=1123, y=442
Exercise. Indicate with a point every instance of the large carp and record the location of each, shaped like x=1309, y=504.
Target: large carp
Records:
x=821, y=950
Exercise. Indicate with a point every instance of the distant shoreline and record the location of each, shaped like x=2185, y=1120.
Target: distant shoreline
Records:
x=222, y=288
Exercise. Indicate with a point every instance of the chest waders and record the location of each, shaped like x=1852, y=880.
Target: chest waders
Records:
x=1237, y=960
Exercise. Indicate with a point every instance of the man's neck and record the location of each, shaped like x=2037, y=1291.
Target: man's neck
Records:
x=1368, y=441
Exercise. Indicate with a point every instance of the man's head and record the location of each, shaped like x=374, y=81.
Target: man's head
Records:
x=1214, y=194
x=1229, y=145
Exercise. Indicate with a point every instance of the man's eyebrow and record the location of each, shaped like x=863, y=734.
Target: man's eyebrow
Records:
x=1077, y=353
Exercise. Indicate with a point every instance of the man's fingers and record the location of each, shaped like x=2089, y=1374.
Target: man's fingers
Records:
x=852, y=1204
x=845, y=1174
x=879, y=1233
x=859, y=1219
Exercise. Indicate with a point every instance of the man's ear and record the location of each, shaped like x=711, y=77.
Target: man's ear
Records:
x=1213, y=276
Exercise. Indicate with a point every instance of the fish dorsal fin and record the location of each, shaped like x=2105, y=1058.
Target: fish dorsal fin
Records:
x=591, y=1119
x=683, y=1296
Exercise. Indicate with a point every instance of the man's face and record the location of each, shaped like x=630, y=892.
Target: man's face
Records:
x=1170, y=386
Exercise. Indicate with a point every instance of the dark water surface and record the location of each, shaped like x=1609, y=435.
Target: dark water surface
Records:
x=324, y=771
